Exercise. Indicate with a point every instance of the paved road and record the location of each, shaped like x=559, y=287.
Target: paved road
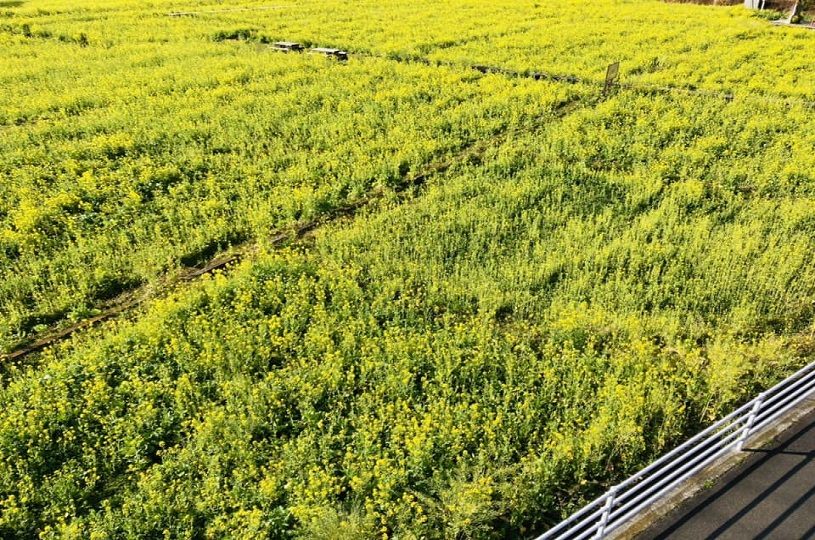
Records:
x=771, y=495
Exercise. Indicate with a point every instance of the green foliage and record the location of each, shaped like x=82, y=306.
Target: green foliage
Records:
x=474, y=358
x=162, y=166
x=237, y=34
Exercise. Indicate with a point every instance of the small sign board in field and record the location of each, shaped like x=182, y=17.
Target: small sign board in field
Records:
x=612, y=77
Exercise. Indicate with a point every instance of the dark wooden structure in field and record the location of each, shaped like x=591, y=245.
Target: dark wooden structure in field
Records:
x=335, y=53
x=287, y=46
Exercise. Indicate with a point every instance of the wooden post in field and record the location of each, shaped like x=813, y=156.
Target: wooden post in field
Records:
x=612, y=77
x=793, y=13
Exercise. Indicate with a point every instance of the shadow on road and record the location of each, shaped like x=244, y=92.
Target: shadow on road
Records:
x=764, y=462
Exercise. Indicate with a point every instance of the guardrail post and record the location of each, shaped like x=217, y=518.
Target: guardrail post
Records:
x=751, y=420
x=601, y=527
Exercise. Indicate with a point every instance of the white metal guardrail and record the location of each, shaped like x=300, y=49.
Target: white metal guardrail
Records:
x=624, y=501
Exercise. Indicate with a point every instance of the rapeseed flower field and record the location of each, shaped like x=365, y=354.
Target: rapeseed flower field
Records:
x=507, y=289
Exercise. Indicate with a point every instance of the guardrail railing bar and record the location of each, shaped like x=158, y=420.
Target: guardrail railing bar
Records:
x=690, y=442
x=601, y=530
x=692, y=467
x=689, y=465
x=589, y=523
x=758, y=427
x=622, y=519
x=770, y=412
x=794, y=385
x=751, y=419
x=793, y=376
x=725, y=431
x=804, y=384
x=589, y=532
x=590, y=520
x=601, y=517
x=574, y=517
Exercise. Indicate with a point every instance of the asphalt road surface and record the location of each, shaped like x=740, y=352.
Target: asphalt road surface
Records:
x=771, y=495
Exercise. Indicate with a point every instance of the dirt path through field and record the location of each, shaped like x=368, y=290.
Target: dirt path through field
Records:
x=132, y=299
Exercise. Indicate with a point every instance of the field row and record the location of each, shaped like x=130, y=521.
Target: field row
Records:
x=576, y=289
x=475, y=362
x=659, y=44
x=133, y=159
x=210, y=148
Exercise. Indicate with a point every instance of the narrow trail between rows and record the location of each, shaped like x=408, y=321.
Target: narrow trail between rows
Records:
x=544, y=75
x=132, y=299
